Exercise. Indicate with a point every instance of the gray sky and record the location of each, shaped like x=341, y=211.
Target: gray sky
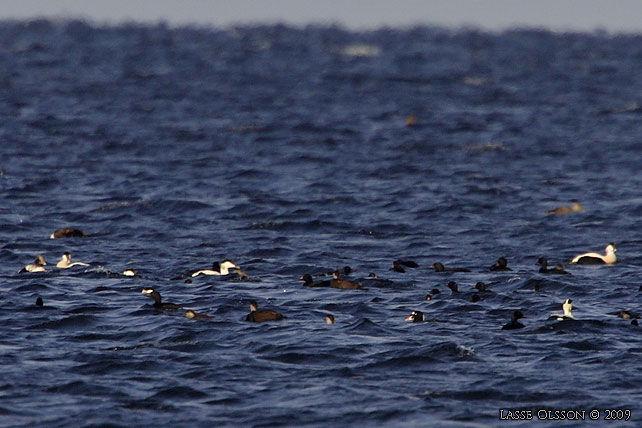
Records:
x=579, y=15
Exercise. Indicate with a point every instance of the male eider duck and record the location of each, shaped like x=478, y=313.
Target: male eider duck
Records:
x=567, y=306
x=67, y=232
x=65, y=262
x=557, y=270
x=500, y=266
x=595, y=258
x=439, y=267
x=129, y=272
x=415, y=316
x=344, y=284
x=155, y=295
x=514, y=324
x=263, y=315
x=222, y=268
x=193, y=315
x=329, y=319
x=36, y=266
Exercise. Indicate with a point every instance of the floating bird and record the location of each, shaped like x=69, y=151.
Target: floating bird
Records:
x=415, y=316
x=67, y=232
x=595, y=258
x=129, y=272
x=155, y=295
x=475, y=298
x=624, y=315
x=398, y=265
x=439, y=267
x=567, y=306
x=344, y=284
x=65, y=262
x=309, y=282
x=500, y=266
x=453, y=286
x=574, y=208
x=557, y=270
x=346, y=270
x=480, y=286
x=222, y=268
x=329, y=319
x=260, y=316
x=372, y=280
x=39, y=302
x=513, y=324
x=36, y=266
x=193, y=315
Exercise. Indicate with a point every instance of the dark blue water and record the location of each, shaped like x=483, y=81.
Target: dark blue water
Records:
x=295, y=151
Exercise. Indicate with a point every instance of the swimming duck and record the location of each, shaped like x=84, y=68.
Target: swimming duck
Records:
x=514, y=324
x=501, y=265
x=453, y=286
x=398, y=265
x=624, y=315
x=260, y=316
x=193, y=315
x=329, y=319
x=67, y=232
x=39, y=302
x=344, y=284
x=65, y=262
x=308, y=282
x=439, y=267
x=346, y=270
x=557, y=270
x=567, y=306
x=475, y=298
x=155, y=295
x=415, y=316
x=480, y=286
x=222, y=268
x=595, y=258
x=36, y=266
x=574, y=208
x=129, y=272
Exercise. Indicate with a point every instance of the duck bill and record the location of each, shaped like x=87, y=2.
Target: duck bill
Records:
x=410, y=318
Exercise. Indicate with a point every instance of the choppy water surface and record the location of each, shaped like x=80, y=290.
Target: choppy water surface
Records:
x=305, y=150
